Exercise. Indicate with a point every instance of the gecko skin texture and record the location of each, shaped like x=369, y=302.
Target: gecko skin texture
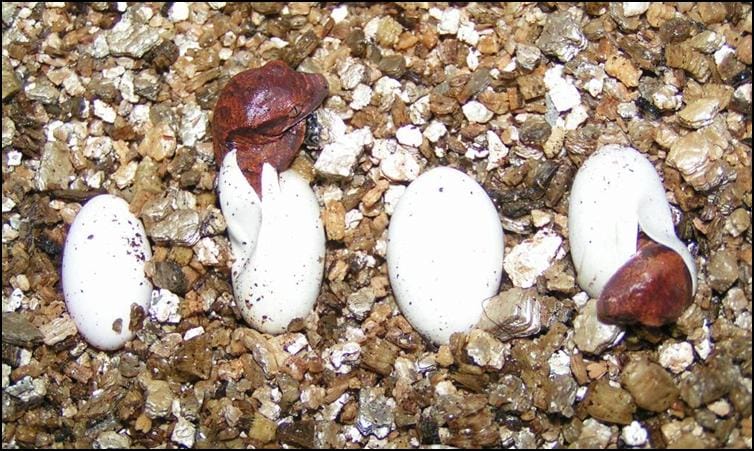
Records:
x=260, y=113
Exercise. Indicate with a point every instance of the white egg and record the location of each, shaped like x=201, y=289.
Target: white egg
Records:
x=278, y=245
x=616, y=191
x=445, y=253
x=103, y=271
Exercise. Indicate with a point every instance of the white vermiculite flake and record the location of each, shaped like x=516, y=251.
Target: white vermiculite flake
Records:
x=362, y=95
x=104, y=111
x=634, y=434
x=179, y=12
x=164, y=306
x=338, y=158
x=450, y=20
x=631, y=9
x=561, y=91
x=476, y=112
x=408, y=135
x=434, y=131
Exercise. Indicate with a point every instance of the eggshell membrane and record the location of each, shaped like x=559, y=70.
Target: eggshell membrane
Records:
x=444, y=253
x=615, y=192
x=103, y=271
x=278, y=245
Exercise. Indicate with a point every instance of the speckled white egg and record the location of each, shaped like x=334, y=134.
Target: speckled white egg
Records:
x=615, y=193
x=445, y=253
x=278, y=245
x=103, y=271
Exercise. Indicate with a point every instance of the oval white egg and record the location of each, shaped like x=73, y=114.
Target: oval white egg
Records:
x=444, y=253
x=103, y=271
x=278, y=245
x=616, y=192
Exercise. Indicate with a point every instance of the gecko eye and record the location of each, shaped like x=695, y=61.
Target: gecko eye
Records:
x=295, y=111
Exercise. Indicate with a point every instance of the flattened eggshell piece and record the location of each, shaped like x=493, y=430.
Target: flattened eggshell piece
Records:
x=103, y=271
x=278, y=246
x=445, y=253
x=616, y=191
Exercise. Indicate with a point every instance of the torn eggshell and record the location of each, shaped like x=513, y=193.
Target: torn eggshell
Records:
x=278, y=244
x=616, y=193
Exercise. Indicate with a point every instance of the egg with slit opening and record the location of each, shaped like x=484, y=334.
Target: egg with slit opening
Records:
x=444, y=253
x=105, y=288
x=278, y=244
x=646, y=278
